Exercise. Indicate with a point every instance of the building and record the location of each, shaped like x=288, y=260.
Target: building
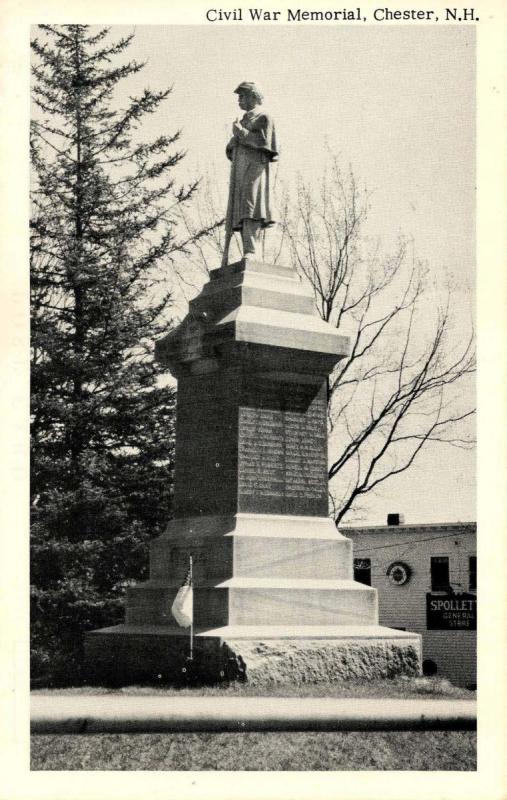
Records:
x=426, y=581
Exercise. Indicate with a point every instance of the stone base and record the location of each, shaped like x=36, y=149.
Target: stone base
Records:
x=251, y=569
x=274, y=602
x=261, y=655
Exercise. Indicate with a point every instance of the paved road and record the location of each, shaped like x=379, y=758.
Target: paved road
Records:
x=156, y=714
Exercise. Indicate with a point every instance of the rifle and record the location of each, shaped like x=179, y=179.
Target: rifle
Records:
x=228, y=218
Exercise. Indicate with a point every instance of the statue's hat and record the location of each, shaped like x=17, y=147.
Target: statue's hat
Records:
x=250, y=86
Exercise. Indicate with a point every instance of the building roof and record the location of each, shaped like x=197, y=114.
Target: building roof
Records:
x=432, y=526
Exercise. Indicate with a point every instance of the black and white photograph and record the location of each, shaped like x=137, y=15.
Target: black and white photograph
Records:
x=255, y=522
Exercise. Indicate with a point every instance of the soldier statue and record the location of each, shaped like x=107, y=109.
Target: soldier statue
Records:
x=251, y=150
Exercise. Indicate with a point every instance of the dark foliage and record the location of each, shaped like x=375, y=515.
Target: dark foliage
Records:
x=103, y=228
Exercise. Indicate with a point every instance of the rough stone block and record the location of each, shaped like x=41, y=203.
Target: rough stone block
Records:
x=261, y=656
x=315, y=661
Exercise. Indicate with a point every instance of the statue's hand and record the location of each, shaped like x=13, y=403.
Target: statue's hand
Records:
x=237, y=129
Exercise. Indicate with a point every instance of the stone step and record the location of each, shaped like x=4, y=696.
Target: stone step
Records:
x=261, y=632
x=252, y=524
x=249, y=265
x=259, y=291
x=244, y=601
x=277, y=328
x=242, y=556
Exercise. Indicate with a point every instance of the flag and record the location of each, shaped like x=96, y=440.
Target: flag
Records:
x=182, y=608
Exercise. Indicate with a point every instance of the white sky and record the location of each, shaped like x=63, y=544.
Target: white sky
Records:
x=398, y=104
x=395, y=102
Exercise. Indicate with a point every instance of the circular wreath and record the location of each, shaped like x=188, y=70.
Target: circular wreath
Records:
x=398, y=573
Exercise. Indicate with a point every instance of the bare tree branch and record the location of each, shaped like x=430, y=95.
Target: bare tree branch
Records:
x=400, y=387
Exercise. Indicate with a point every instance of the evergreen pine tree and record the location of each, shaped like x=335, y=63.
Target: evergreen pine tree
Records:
x=103, y=226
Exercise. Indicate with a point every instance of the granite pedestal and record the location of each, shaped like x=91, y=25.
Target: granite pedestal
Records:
x=274, y=595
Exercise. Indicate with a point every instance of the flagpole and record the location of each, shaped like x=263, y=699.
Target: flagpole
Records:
x=192, y=617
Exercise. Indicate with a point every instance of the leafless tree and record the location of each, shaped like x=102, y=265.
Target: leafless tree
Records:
x=209, y=205
x=403, y=383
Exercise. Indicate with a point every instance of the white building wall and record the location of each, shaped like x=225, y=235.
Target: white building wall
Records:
x=454, y=651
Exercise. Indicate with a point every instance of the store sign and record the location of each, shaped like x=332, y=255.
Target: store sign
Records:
x=448, y=612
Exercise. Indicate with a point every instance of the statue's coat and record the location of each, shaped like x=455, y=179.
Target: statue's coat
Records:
x=252, y=153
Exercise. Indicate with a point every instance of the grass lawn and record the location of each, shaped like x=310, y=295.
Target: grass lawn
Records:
x=443, y=750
